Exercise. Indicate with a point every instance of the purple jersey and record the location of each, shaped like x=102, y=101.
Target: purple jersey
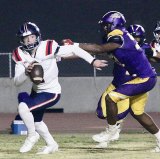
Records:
x=131, y=58
x=120, y=75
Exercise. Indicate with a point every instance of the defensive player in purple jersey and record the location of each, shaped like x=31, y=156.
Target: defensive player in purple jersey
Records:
x=121, y=76
x=123, y=106
x=128, y=54
x=138, y=32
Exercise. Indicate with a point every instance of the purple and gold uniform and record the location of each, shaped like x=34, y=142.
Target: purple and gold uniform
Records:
x=120, y=76
x=133, y=76
x=133, y=59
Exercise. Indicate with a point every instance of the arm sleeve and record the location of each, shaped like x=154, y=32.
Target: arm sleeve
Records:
x=20, y=75
x=70, y=50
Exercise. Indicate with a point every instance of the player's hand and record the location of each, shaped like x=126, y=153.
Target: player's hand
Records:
x=98, y=64
x=67, y=42
x=29, y=68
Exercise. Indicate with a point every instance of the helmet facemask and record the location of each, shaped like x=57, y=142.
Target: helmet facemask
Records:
x=30, y=47
x=156, y=32
x=157, y=35
x=105, y=27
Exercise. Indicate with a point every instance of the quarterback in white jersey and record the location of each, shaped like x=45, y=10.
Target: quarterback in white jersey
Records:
x=46, y=94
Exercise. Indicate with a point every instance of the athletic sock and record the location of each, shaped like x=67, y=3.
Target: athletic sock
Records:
x=42, y=129
x=27, y=118
x=112, y=127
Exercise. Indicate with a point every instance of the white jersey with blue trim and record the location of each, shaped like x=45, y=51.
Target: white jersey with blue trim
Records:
x=46, y=54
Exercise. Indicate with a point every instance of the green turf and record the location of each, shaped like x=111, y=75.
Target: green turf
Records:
x=81, y=146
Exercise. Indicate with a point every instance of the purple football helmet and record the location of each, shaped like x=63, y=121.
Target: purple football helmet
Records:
x=137, y=31
x=156, y=32
x=26, y=29
x=112, y=20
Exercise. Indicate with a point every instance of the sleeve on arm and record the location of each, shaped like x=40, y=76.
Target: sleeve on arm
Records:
x=70, y=50
x=16, y=56
x=20, y=75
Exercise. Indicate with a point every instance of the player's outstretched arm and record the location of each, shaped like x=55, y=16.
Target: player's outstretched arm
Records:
x=70, y=50
x=99, y=49
x=94, y=48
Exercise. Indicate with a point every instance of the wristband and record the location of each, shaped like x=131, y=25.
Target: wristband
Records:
x=93, y=61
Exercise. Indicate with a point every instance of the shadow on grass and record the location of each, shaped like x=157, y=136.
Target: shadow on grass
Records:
x=102, y=150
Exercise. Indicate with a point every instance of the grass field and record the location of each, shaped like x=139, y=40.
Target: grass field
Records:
x=81, y=146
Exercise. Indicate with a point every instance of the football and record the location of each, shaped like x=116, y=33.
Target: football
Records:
x=37, y=73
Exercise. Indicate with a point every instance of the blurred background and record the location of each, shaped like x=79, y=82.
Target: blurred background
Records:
x=74, y=19
x=77, y=20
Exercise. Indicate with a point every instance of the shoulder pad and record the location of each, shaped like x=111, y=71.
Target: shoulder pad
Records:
x=115, y=39
x=115, y=32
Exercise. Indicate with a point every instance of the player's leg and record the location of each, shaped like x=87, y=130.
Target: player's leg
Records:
x=51, y=144
x=47, y=100
x=34, y=102
x=106, y=136
x=123, y=109
x=42, y=129
x=127, y=90
x=132, y=88
x=137, y=110
x=112, y=111
x=28, y=119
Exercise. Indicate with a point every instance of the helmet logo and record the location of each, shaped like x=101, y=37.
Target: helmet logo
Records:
x=115, y=15
x=25, y=27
